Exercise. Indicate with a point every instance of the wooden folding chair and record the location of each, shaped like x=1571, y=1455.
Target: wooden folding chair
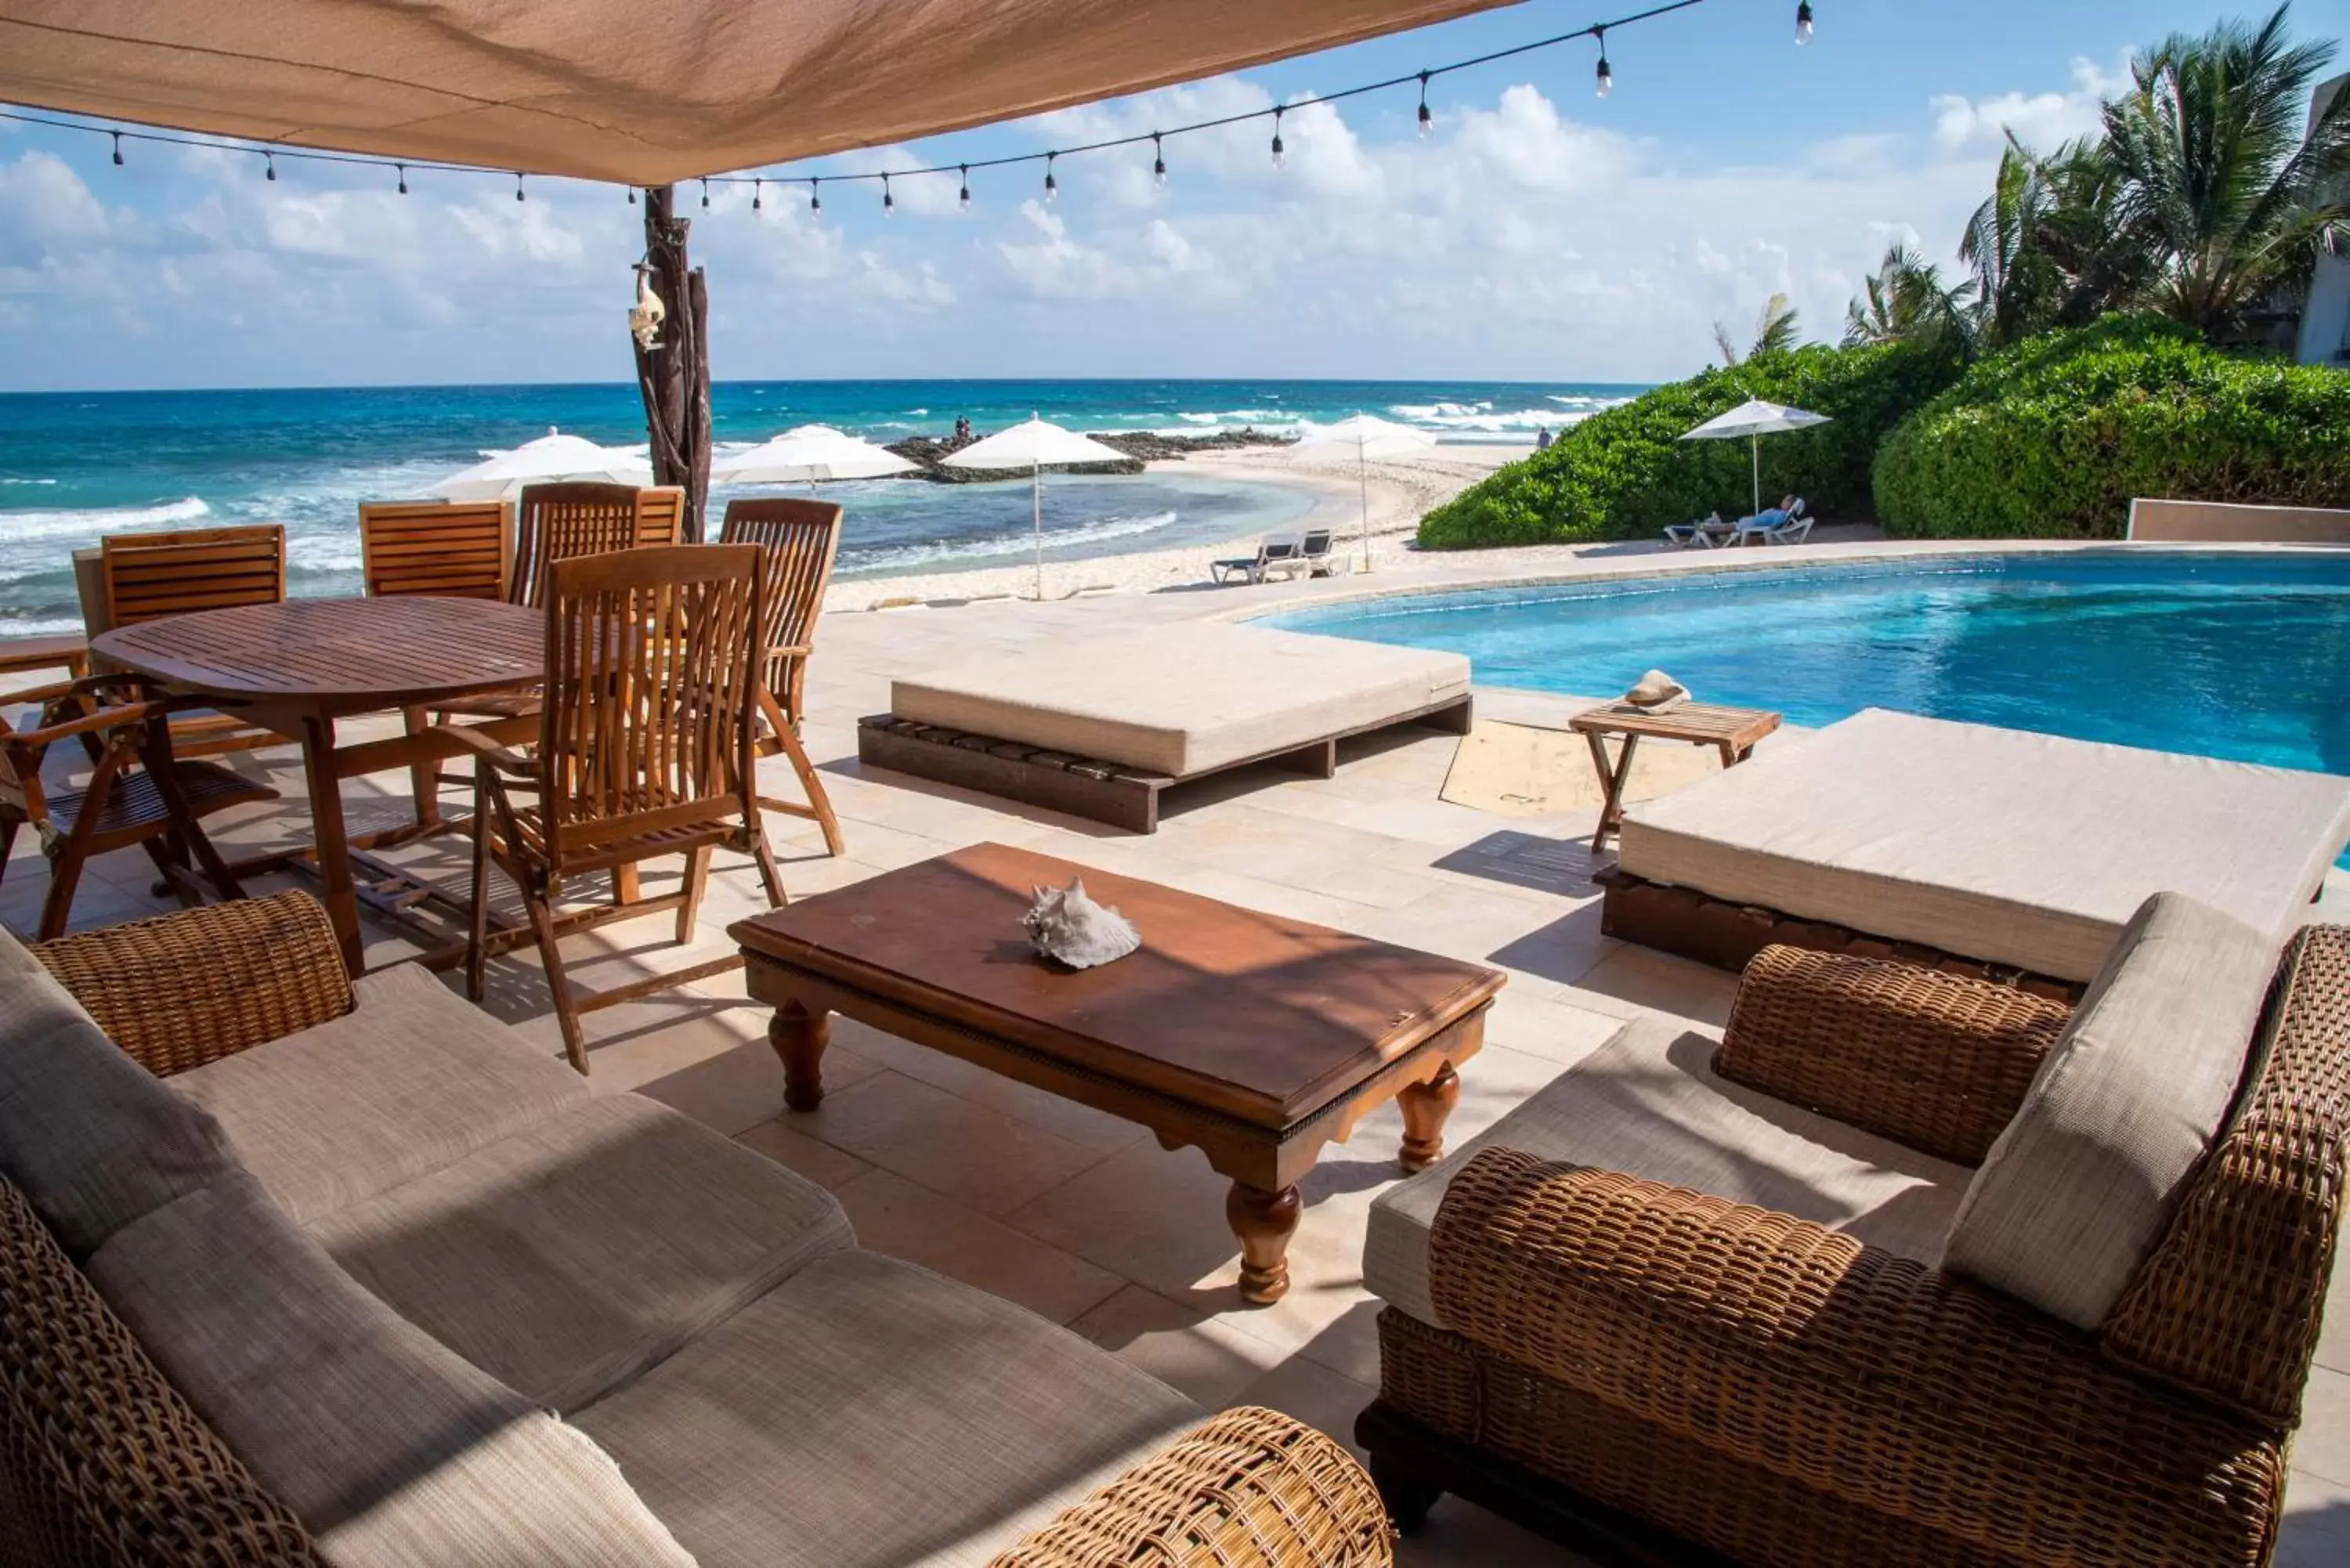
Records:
x=799, y=538
x=444, y=549
x=146, y=577
x=577, y=518
x=158, y=807
x=660, y=515
x=644, y=750
x=447, y=549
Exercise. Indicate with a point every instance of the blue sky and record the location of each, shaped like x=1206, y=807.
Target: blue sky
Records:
x=1541, y=233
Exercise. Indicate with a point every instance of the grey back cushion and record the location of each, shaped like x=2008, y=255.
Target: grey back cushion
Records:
x=2078, y=1190
x=388, y=1447
x=92, y=1138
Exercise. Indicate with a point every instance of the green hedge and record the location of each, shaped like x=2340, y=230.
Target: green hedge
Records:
x=2053, y=437
x=1624, y=472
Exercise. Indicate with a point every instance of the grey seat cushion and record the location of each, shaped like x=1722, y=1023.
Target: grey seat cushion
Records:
x=868, y=1414
x=412, y=1078
x=2078, y=1190
x=567, y=1257
x=389, y=1447
x=90, y=1137
x=1648, y=1102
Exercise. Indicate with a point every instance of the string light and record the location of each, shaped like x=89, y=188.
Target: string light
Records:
x=404, y=177
x=1157, y=163
x=518, y=196
x=757, y=187
x=1596, y=31
x=889, y=203
x=1803, y=22
x=1280, y=156
x=706, y=195
x=962, y=199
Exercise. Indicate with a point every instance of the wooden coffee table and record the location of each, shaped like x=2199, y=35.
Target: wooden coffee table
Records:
x=1254, y=1038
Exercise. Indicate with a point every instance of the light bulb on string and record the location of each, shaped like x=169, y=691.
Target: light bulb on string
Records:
x=706, y=195
x=816, y=197
x=269, y=166
x=1606, y=77
x=118, y=149
x=1052, y=186
x=757, y=186
x=1803, y=22
x=404, y=177
x=1279, y=153
x=889, y=203
x=963, y=197
x=518, y=185
x=1157, y=161
x=1427, y=120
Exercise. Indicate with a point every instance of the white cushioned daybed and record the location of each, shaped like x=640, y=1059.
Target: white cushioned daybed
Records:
x=2003, y=846
x=1099, y=726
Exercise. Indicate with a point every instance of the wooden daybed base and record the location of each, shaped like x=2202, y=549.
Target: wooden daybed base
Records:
x=1090, y=787
x=1714, y=931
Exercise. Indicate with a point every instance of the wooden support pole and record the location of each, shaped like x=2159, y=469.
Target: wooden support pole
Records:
x=675, y=377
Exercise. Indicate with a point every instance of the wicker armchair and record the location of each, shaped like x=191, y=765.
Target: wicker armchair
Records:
x=104, y=1464
x=1659, y=1375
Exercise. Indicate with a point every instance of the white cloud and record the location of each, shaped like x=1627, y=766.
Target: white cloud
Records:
x=2041, y=122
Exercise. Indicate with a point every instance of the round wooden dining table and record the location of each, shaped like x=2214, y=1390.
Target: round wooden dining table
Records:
x=299, y=665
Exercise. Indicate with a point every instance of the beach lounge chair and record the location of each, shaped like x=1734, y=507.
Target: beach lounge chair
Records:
x=1705, y=533
x=1271, y=552
x=1773, y=527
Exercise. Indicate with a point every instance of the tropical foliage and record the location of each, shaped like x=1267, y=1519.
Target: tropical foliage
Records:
x=1776, y=332
x=1628, y=471
x=2053, y=437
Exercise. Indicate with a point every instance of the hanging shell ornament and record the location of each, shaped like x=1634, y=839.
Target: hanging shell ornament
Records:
x=645, y=317
x=1064, y=923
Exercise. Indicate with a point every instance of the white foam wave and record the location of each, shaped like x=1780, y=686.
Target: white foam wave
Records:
x=7, y=480
x=18, y=526
x=1009, y=545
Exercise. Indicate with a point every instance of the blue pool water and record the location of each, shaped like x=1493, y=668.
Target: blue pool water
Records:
x=2244, y=656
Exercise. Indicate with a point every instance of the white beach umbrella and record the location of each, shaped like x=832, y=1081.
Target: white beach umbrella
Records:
x=809, y=454
x=551, y=458
x=1364, y=437
x=1753, y=420
x=1034, y=446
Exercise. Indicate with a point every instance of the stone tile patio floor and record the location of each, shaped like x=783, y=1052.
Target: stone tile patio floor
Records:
x=1073, y=1213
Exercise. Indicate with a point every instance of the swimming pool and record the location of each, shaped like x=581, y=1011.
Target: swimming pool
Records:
x=2242, y=655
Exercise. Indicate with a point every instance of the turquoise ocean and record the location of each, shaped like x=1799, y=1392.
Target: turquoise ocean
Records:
x=74, y=465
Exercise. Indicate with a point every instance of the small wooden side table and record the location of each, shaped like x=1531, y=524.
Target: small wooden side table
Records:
x=1732, y=729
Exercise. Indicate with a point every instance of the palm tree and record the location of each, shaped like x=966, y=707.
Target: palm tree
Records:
x=2053, y=247
x=1905, y=301
x=1774, y=331
x=2208, y=145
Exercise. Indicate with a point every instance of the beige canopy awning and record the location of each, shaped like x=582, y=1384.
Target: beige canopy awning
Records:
x=641, y=92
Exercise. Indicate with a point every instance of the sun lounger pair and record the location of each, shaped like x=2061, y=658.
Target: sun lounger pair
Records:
x=1769, y=526
x=1287, y=554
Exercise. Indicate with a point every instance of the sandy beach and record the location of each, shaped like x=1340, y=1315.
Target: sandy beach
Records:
x=1401, y=491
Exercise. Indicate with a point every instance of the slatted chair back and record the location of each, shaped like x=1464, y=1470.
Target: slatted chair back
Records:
x=651, y=689
x=558, y=522
x=660, y=515
x=448, y=549
x=799, y=538
x=146, y=577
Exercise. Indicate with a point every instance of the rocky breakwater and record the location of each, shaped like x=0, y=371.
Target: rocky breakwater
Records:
x=1139, y=446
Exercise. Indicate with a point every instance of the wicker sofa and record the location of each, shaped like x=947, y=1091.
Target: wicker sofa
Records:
x=296, y=1272
x=1913, y=1269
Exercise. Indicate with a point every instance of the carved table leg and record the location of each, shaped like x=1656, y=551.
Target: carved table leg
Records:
x=1425, y=1107
x=1263, y=1221
x=799, y=1037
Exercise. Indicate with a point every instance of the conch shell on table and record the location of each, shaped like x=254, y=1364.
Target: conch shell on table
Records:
x=1066, y=924
x=1656, y=690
